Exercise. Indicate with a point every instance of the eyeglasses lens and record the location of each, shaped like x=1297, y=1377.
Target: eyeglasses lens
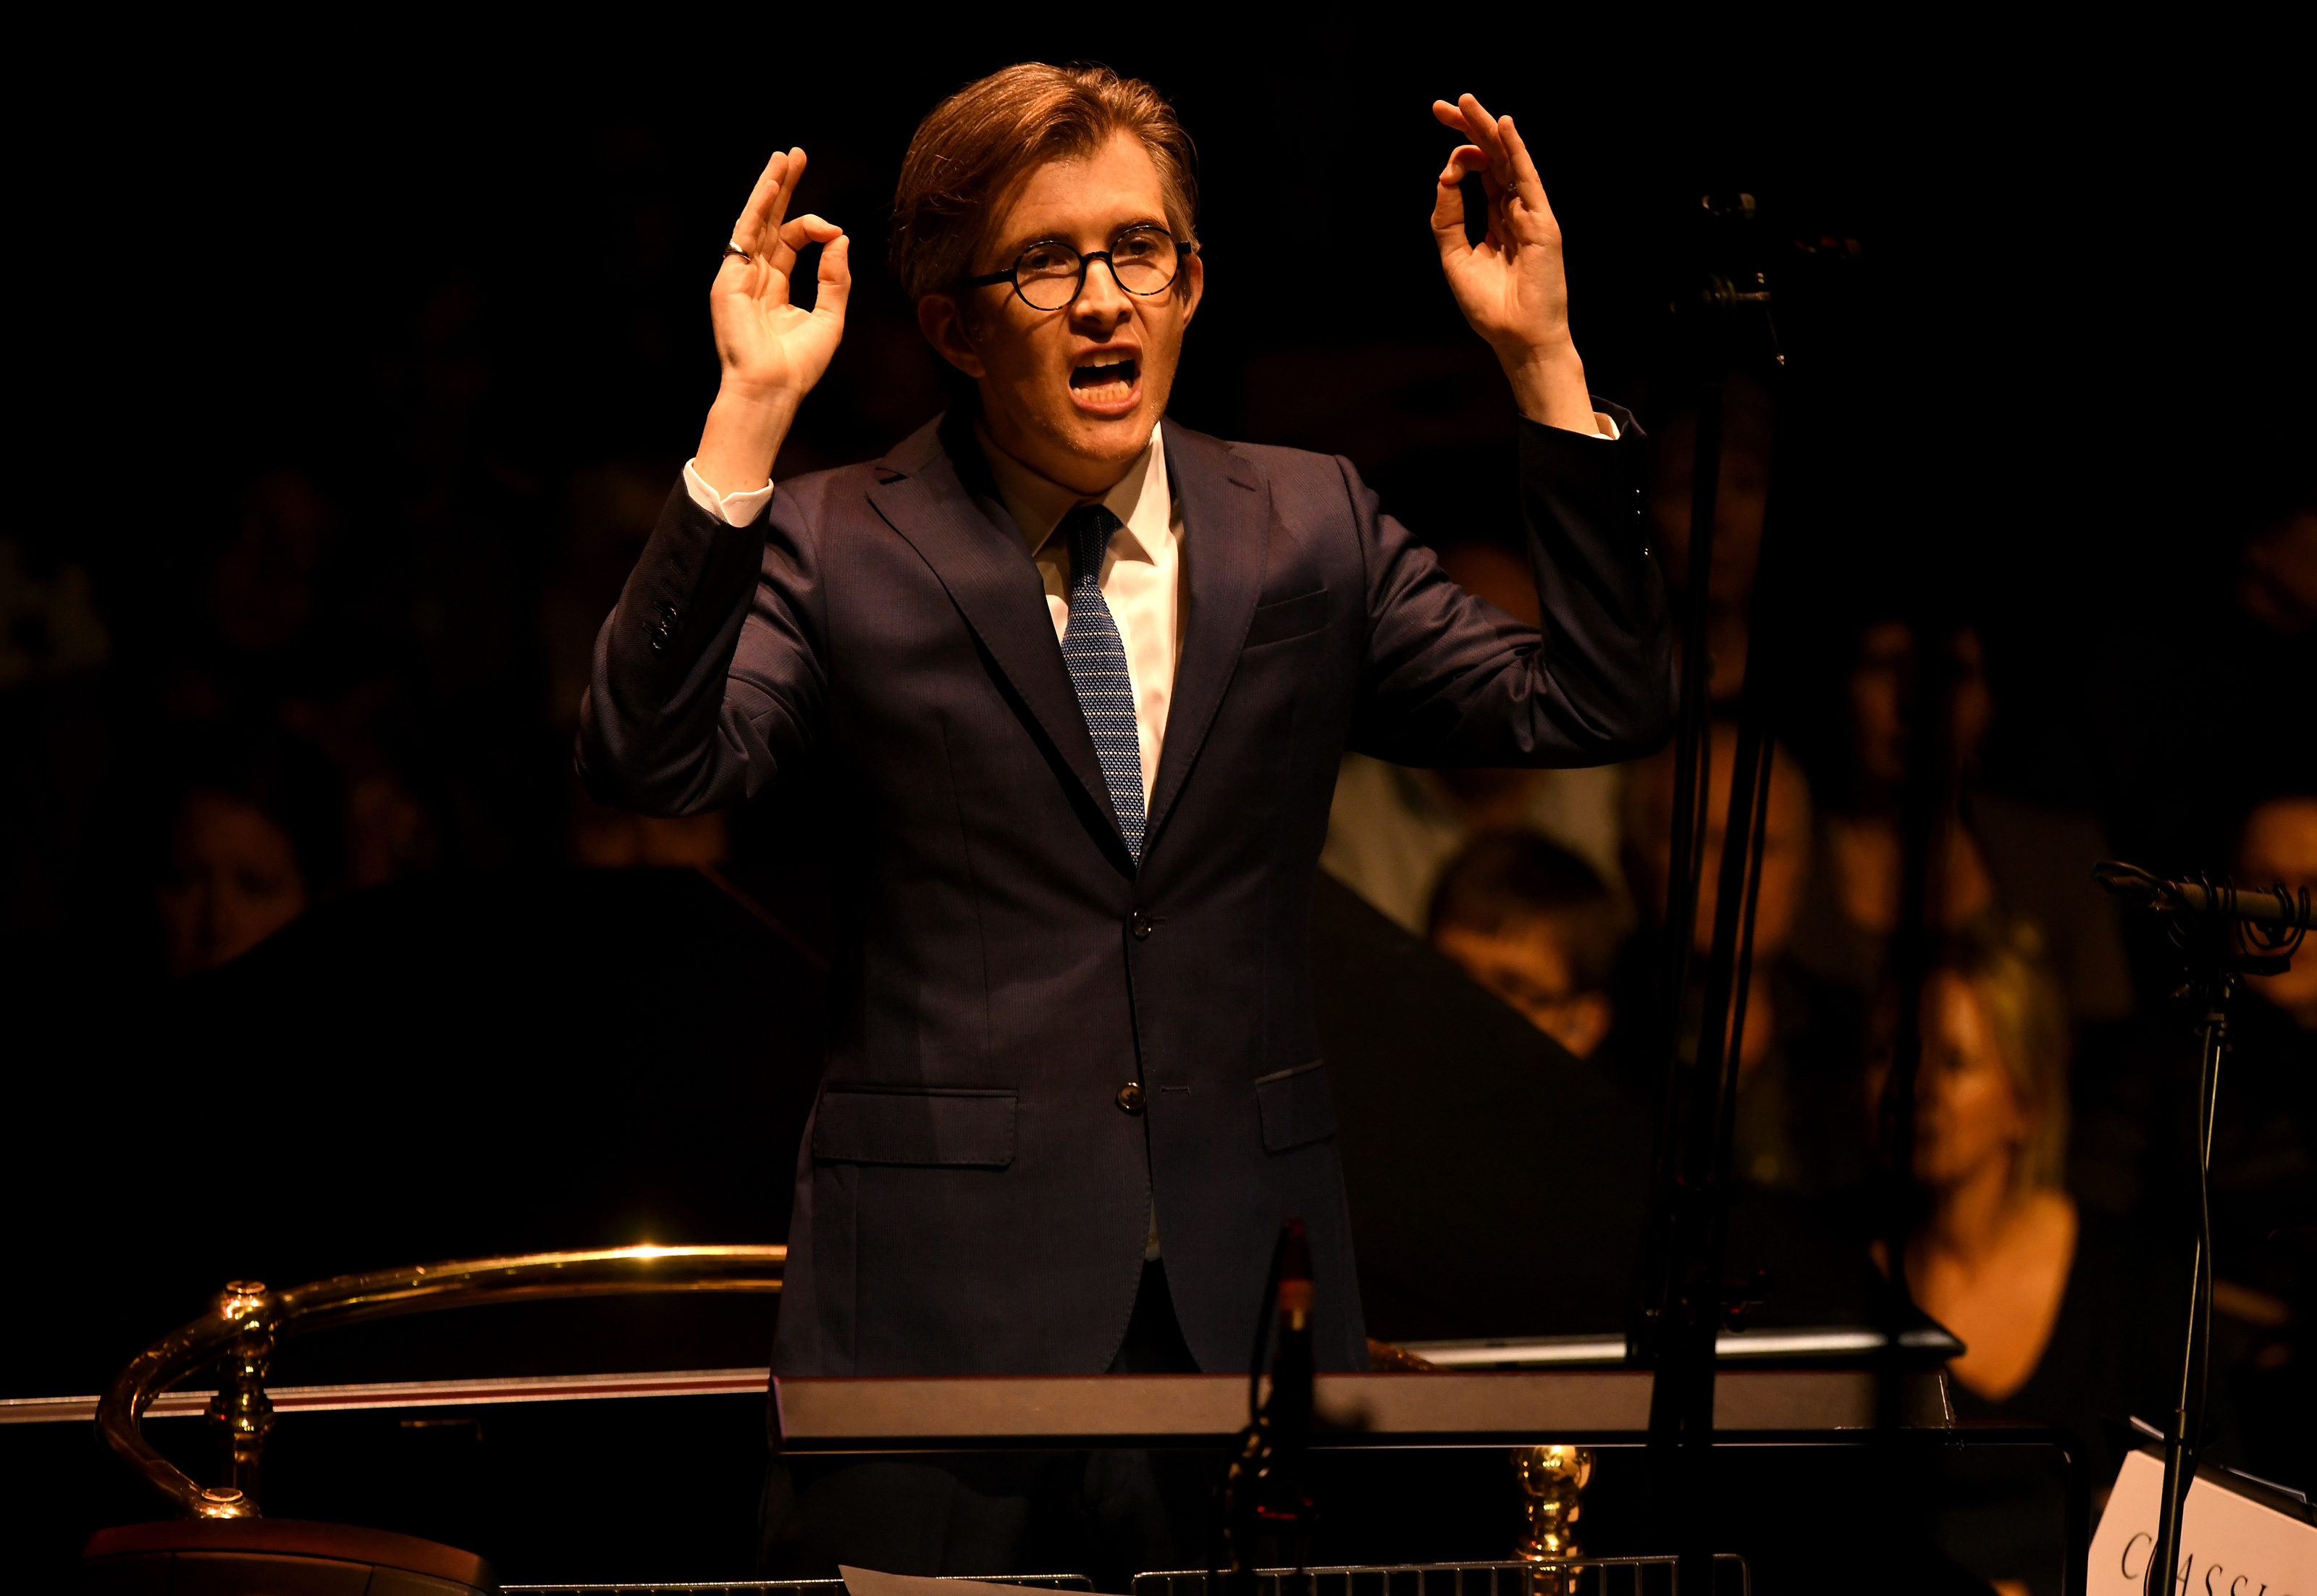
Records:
x=1048, y=275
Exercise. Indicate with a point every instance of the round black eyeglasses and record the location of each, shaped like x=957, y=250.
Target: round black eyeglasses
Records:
x=1050, y=276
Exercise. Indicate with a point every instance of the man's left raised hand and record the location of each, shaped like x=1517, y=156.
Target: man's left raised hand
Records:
x=1510, y=285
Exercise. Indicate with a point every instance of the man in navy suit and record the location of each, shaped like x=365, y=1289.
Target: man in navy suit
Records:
x=1081, y=679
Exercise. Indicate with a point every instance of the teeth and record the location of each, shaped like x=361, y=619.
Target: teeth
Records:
x=1105, y=380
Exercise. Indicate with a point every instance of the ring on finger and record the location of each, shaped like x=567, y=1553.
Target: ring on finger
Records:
x=733, y=250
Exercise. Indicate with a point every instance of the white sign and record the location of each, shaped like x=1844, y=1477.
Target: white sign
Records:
x=2230, y=1545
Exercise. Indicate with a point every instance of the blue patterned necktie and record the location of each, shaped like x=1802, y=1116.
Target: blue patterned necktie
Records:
x=1097, y=662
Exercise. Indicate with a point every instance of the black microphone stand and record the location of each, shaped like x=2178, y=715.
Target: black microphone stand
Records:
x=2224, y=935
x=1685, y=1305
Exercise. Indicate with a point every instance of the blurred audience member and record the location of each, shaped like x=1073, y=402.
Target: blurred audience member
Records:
x=390, y=833
x=2004, y=859
x=255, y=640
x=1535, y=925
x=1797, y=1077
x=2276, y=577
x=2264, y=1169
x=2278, y=846
x=2008, y=859
x=253, y=840
x=606, y=839
x=1741, y=497
x=261, y=593
x=2212, y=696
x=367, y=733
x=1391, y=828
x=2065, y=1320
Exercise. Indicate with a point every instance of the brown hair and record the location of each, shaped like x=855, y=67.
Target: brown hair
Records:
x=2005, y=968
x=1507, y=881
x=975, y=148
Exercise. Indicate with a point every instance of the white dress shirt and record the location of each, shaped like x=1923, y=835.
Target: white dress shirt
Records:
x=1141, y=573
x=1138, y=579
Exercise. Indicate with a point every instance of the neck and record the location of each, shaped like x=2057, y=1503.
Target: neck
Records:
x=1968, y=1218
x=1086, y=476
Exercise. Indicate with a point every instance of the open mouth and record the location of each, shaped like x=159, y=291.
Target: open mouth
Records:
x=1104, y=381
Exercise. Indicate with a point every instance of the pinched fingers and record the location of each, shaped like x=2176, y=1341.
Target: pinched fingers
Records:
x=1486, y=132
x=809, y=228
x=1497, y=152
x=783, y=247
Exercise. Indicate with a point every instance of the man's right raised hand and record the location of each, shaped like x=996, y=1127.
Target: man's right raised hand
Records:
x=771, y=352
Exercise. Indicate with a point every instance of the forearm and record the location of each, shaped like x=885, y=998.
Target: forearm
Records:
x=742, y=437
x=1607, y=644
x=1450, y=680
x=1548, y=385
x=652, y=733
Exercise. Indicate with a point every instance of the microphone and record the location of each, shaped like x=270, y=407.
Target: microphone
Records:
x=2281, y=907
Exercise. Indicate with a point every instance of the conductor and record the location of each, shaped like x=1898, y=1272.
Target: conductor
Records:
x=1081, y=680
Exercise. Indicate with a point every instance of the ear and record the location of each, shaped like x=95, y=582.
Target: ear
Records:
x=942, y=322
x=1194, y=279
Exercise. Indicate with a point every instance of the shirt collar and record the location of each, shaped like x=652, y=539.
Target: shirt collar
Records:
x=1141, y=498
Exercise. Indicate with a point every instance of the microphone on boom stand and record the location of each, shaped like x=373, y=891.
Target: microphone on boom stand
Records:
x=2265, y=907
x=2225, y=932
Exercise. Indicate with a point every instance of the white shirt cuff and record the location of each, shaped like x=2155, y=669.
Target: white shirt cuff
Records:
x=733, y=509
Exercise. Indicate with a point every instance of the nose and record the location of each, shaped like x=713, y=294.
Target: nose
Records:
x=1101, y=305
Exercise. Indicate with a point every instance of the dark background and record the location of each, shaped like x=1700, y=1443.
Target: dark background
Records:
x=457, y=286
x=456, y=283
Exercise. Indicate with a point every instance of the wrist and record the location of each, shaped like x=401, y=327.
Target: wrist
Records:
x=1548, y=384
x=744, y=432
x=757, y=405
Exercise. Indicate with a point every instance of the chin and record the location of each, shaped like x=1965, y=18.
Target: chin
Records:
x=1111, y=437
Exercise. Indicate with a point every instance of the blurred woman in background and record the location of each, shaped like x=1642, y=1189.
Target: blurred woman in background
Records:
x=2064, y=1320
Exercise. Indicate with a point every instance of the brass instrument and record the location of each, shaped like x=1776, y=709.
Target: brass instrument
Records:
x=241, y=1329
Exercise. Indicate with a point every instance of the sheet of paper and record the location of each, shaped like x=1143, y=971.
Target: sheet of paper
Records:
x=2230, y=1546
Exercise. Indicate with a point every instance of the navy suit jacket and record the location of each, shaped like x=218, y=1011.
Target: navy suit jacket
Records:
x=973, y=1195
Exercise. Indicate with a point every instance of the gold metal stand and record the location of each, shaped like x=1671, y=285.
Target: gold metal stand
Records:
x=1554, y=1478
x=241, y=1329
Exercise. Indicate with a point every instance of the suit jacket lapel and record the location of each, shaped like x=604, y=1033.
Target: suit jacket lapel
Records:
x=1226, y=533
x=923, y=493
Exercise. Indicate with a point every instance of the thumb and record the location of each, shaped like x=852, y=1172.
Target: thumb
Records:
x=834, y=279
x=1449, y=216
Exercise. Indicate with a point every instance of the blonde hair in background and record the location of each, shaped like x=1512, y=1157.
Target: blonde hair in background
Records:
x=974, y=147
x=2005, y=967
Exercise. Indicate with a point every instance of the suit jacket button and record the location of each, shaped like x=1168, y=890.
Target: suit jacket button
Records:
x=1142, y=925
x=1129, y=1097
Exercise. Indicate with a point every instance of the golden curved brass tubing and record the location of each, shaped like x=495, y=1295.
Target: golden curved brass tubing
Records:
x=245, y=1321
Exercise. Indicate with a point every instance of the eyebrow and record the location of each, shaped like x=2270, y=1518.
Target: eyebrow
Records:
x=1034, y=239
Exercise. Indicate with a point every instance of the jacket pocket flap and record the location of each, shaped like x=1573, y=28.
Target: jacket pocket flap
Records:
x=1305, y=614
x=1296, y=1106
x=940, y=1127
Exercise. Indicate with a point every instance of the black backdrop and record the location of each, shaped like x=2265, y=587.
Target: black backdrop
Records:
x=444, y=268
x=449, y=275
